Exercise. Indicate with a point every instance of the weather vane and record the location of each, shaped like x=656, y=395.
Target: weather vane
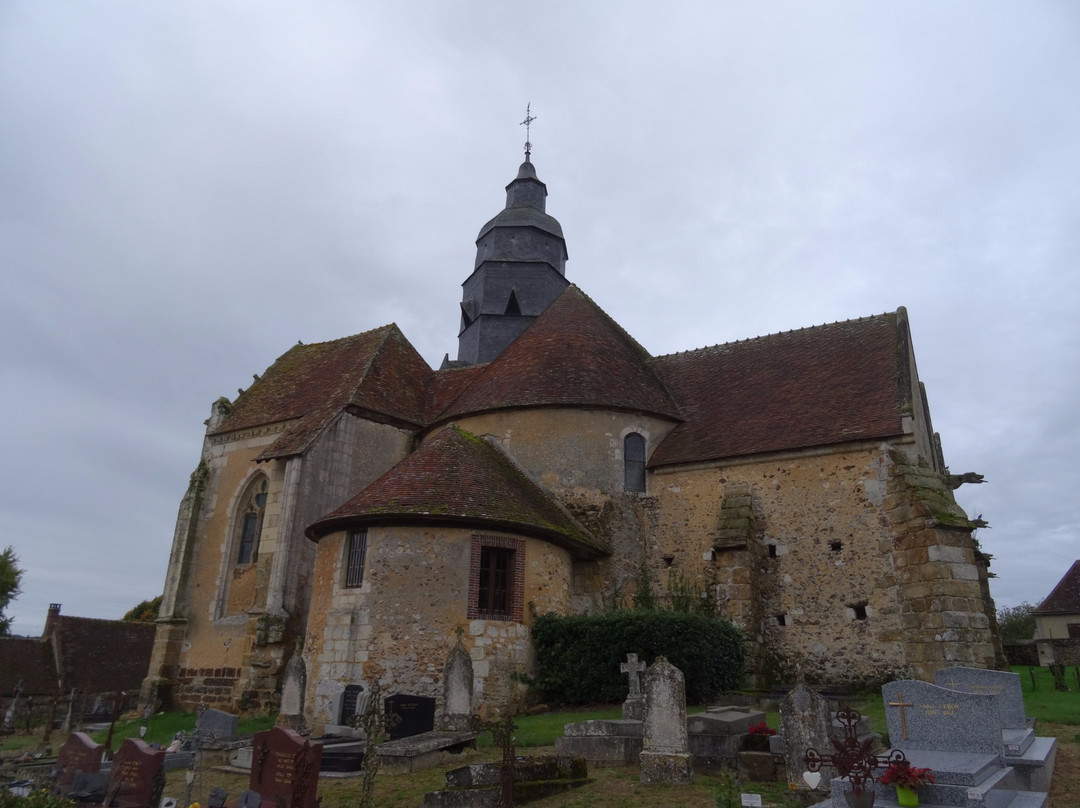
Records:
x=527, y=123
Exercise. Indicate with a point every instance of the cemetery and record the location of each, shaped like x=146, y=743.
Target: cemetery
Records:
x=967, y=739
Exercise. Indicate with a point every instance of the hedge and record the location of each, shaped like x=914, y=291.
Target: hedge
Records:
x=578, y=656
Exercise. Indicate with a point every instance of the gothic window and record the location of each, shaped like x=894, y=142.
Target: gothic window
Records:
x=496, y=578
x=356, y=551
x=634, y=462
x=252, y=507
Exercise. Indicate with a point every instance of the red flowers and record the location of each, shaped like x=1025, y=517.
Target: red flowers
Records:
x=761, y=729
x=904, y=774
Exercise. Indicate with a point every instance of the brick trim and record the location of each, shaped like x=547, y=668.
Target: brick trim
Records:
x=516, y=610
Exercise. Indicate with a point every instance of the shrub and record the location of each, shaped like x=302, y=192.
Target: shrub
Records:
x=578, y=656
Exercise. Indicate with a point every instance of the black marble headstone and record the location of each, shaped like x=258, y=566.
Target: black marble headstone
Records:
x=416, y=714
x=348, y=703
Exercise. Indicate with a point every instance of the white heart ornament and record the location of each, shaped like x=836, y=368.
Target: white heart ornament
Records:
x=813, y=779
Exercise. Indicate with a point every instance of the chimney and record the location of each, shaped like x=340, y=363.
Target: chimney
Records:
x=50, y=620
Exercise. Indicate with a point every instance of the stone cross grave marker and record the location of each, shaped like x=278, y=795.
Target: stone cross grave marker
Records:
x=805, y=718
x=457, y=689
x=924, y=716
x=78, y=754
x=502, y=733
x=1003, y=684
x=285, y=769
x=417, y=714
x=137, y=776
x=665, y=755
x=633, y=707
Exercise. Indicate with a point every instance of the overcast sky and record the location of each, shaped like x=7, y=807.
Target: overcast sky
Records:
x=188, y=188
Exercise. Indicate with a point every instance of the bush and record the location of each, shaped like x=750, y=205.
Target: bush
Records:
x=578, y=656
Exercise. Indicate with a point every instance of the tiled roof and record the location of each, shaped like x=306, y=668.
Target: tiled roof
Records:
x=813, y=387
x=377, y=373
x=458, y=478
x=571, y=355
x=101, y=656
x=28, y=660
x=1065, y=598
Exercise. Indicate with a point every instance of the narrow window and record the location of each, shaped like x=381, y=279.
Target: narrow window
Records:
x=634, y=460
x=781, y=619
x=251, y=519
x=494, y=593
x=356, y=547
x=772, y=551
x=836, y=546
x=858, y=610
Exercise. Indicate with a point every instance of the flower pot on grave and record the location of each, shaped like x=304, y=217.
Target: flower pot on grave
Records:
x=908, y=797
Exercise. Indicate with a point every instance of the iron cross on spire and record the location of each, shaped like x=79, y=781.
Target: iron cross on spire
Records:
x=527, y=123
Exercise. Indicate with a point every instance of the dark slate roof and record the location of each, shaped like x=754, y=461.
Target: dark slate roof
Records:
x=28, y=660
x=101, y=656
x=377, y=373
x=457, y=478
x=572, y=355
x=1065, y=598
x=800, y=389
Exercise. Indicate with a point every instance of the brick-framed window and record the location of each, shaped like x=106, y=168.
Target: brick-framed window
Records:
x=355, y=554
x=496, y=578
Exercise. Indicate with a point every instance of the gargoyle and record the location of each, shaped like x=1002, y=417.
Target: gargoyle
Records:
x=954, y=481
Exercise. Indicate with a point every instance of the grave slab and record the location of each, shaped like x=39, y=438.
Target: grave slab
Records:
x=285, y=769
x=418, y=752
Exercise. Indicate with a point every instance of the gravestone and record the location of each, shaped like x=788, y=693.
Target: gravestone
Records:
x=1004, y=685
x=291, y=712
x=633, y=708
x=805, y=721
x=716, y=735
x=349, y=699
x=457, y=690
x=79, y=754
x=215, y=725
x=665, y=755
x=136, y=776
x=285, y=769
x=924, y=716
x=416, y=714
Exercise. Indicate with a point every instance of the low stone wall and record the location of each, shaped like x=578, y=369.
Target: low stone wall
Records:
x=1025, y=653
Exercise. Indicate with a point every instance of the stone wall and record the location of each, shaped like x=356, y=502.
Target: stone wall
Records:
x=399, y=625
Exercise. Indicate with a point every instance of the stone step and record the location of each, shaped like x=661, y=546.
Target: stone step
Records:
x=1016, y=741
x=955, y=768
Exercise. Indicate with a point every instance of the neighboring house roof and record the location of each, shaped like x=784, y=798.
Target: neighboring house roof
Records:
x=799, y=389
x=572, y=355
x=28, y=660
x=459, y=478
x=102, y=656
x=1065, y=597
x=377, y=374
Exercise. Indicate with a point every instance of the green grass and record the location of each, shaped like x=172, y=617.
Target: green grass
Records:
x=162, y=728
x=1045, y=703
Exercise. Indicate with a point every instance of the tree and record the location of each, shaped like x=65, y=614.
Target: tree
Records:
x=1016, y=623
x=10, y=576
x=145, y=612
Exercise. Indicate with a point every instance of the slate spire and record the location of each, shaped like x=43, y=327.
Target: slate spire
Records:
x=519, y=270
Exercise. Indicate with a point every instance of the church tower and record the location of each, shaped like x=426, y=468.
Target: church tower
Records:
x=520, y=266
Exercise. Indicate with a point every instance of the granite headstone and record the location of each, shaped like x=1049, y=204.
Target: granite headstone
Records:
x=285, y=769
x=79, y=754
x=135, y=775
x=924, y=716
x=416, y=714
x=1003, y=684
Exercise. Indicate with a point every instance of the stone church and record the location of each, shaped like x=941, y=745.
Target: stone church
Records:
x=357, y=507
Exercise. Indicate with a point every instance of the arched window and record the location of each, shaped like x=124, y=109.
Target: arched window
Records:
x=634, y=462
x=252, y=507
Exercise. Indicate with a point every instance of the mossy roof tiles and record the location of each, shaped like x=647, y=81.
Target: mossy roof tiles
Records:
x=800, y=389
x=98, y=656
x=1065, y=597
x=459, y=478
x=571, y=355
x=377, y=373
x=29, y=661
